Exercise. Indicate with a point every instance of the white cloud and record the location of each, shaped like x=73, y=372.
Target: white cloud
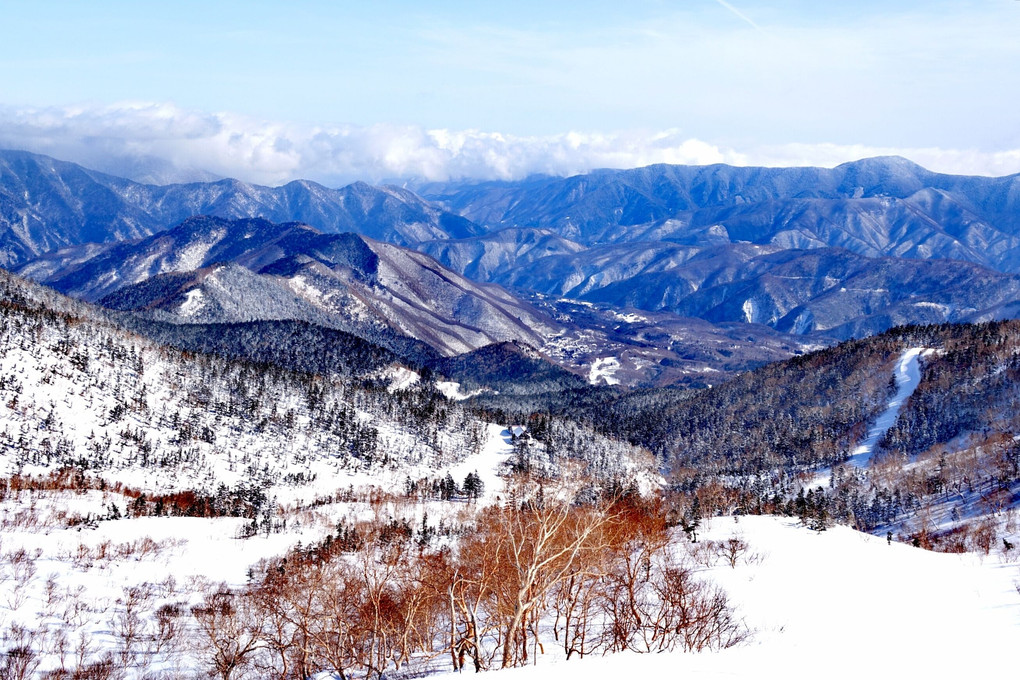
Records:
x=162, y=142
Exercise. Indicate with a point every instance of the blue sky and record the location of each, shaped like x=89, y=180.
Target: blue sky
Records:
x=343, y=90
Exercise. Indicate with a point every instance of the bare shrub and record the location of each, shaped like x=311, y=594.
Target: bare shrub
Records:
x=167, y=628
x=22, y=658
x=75, y=609
x=692, y=614
x=130, y=625
x=674, y=611
x=705, y=553
x=984, y=535
x=732, y=550
x=96, y=669
x=19, y=568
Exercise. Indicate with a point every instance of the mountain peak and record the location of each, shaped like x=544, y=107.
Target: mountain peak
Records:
x=891, y=161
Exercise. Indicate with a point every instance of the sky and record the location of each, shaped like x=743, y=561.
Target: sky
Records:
x=337, y=91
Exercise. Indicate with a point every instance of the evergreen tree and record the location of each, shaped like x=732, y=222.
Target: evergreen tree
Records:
x=691, y=520
x=474, y=487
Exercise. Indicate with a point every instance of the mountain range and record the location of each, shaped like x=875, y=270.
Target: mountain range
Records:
x=209, y=270
x=645, y=276
x=874, y=207
x=47, y=204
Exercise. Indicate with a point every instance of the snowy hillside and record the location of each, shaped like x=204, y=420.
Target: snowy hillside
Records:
x=840, y=604
x=80, y=392
x=87, y=395
x=165, y=513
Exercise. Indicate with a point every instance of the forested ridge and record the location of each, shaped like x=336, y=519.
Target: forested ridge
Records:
x=811, y=410
x=81, y=391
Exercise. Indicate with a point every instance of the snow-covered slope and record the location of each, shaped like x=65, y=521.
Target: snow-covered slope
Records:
x=78, y=391
x=292, y=271
x=838, y=604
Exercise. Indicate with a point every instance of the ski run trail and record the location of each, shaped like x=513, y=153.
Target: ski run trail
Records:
x=908, y=376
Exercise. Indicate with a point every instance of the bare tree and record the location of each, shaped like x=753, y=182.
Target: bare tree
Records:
x=540, y=543
x=229, y=631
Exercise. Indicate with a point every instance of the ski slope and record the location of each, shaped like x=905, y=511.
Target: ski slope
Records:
x=908, y=377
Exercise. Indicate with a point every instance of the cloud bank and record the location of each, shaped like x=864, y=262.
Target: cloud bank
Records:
x=160, y=142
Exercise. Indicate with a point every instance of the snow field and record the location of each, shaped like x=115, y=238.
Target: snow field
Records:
x=842, y=602
x=487, y=463
x=604, y=370
x=77, y=578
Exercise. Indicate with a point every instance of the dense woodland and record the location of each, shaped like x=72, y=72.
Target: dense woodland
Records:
x=797, y=414
x=971, y=387
x=809, y=411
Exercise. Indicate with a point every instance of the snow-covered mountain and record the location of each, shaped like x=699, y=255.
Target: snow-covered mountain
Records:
x=874, y=207
x=833, y=291
x=491, y=257
x=831, y=254
x=84, y=392
x=209, y=270
x=214, y=270
x=46, y=204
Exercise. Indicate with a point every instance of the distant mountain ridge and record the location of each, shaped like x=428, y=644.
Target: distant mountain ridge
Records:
x=829, y=253
x=47, y=204
x=822, y=290
x=848, y=251
x=213, y=272
x=874, y=207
